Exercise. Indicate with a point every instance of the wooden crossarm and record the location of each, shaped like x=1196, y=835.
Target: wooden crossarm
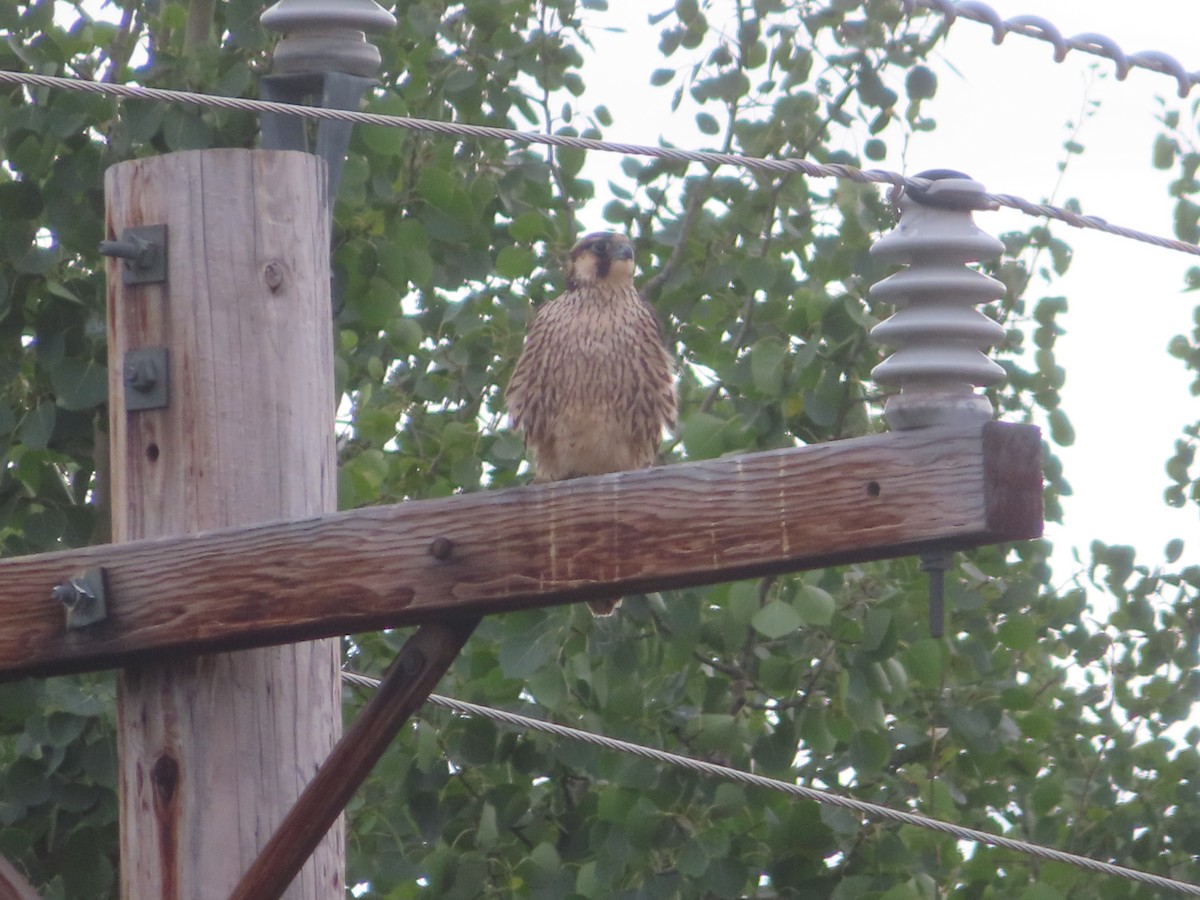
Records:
x=695, y=523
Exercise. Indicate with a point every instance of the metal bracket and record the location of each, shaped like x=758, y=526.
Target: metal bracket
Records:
x=147, y=376
x=144, y=249
x=84, y=597
x=935, y=562
x=334, y=90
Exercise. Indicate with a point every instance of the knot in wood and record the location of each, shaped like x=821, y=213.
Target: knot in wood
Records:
x=441, y=547
x=273, y=276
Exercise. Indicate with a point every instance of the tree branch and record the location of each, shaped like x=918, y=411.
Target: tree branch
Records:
x=198, y=29
x=122, y=45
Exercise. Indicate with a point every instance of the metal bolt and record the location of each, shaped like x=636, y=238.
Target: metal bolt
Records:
x=141, y=253
x=83, y=597
x=935, y=563
x=72, y=594
x=441, y=547
x=141, y=375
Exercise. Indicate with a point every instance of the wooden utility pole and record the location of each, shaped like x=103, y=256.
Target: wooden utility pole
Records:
x=215, y=749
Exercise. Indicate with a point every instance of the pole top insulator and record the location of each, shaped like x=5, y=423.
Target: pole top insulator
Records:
x=940, y=336
x=327, y=35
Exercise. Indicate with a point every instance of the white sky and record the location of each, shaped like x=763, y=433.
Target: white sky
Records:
x=1002, y=115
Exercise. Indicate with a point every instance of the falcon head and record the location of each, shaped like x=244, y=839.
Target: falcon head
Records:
x=599, y=257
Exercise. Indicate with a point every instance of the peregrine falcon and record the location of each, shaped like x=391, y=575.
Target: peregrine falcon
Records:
x=594, y=386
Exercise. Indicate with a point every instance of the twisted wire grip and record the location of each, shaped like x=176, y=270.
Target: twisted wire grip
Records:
x=1044, y=30
x=939, y=334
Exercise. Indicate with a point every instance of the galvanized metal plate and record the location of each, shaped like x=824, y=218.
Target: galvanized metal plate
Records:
x=143, y=248
x=146, y=373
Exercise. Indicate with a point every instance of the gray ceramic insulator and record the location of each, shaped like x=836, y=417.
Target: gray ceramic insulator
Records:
x=939, y=335
x=327, y=35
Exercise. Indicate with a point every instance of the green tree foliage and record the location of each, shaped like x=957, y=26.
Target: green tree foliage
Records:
x=1040, y=714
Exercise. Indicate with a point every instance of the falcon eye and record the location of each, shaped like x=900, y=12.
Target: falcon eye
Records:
x=600, y=247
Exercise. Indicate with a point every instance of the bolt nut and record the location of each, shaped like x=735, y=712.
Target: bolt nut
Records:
x=71, y=594
x=83, y=597
x=141, y=375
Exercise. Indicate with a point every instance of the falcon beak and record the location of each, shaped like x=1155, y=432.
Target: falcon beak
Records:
x=623, y=251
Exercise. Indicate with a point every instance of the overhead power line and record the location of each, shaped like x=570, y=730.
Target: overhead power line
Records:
x=1043, y=30
x=705, y=157
x=862, y=807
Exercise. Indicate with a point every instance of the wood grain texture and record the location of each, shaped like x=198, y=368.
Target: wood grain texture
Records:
x=561, y=542
x=215, y=749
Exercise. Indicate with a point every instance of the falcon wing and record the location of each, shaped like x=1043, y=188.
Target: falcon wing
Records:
x=521, y=396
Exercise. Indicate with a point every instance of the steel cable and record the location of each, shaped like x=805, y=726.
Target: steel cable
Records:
x=705, y=157
x=862, y=807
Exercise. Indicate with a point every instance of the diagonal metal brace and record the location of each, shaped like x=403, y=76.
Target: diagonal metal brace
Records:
x=14, y=885
x=418, y=667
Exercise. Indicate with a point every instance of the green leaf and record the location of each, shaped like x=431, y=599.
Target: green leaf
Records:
x=545, y=858
x=706, y=435
x=923, y=660
x=693, y=860
x=1164, y=152
x=514, y=262
x=378, y=304
x=903, y=892
x=707, y=123
x=79, y=384
x=35, y=430
x=869, y=751
x=920, y=83
x=1174, y=550
x=767, y=360
x=587, y=883
x=529, y=227
x=519, y=660
x=1018, y=633
x=1061, y=430
x=814, y=605
x=776, y=619
x=840, y=821
x=876, y=628
x=1042, y=892
x=487, y=834
x=20, y=200
x=184, y=129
